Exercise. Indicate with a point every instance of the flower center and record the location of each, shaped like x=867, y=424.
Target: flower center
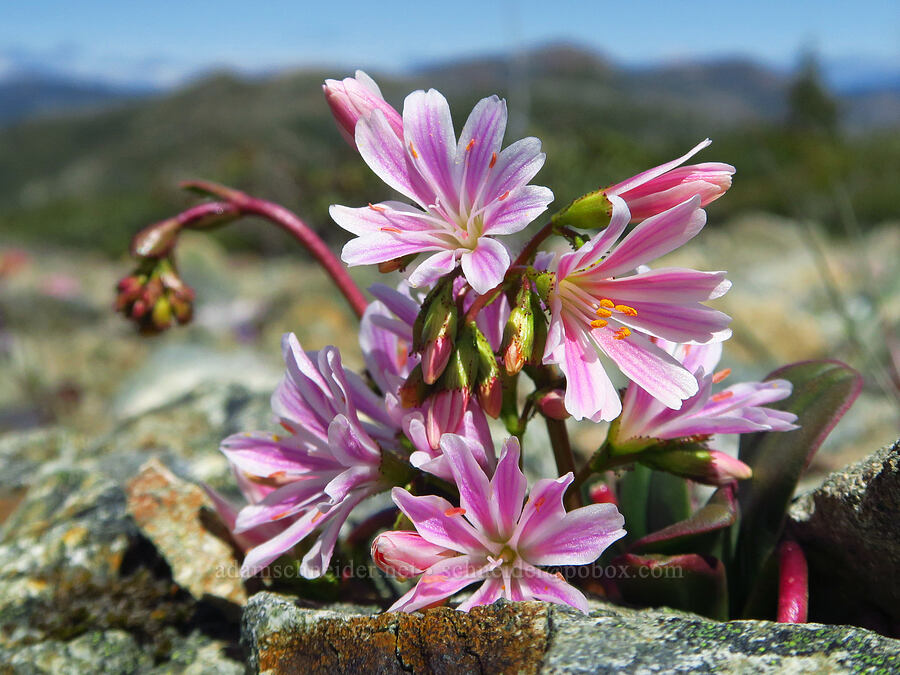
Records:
x=596, y=312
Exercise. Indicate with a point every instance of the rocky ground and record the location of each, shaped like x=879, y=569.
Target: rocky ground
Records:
x=111, y=561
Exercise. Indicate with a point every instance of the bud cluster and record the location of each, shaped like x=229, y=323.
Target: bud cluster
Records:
x=155, y=297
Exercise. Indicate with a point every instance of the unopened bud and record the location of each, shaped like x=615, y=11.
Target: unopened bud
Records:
x=553, y=405
x=155, y=296
x=355, y=97
x=157, y=240
x=406, y=554
x=463, y=365
x=540, y=331
x=700, y=464
x=601, y=493
x=162, y=314
x=544, y=284
x=489, y=388
x=445, y=412
x=413, y=391
x=438, y=332
x=589, y=212
x=518, y=336
x=396, y=264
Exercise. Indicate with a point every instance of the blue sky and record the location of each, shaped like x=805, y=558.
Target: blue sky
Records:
x=161, y=41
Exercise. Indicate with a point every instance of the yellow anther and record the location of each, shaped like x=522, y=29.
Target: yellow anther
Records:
x=603, y=313
x=622, y=333
x=606, y=302
x=412, y=150
x=626, y=310
x=599, y=323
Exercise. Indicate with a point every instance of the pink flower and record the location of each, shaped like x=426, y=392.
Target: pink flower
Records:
x=738, y=409
x=492, y=538
x=598, y=304
x=314, y=477
x=658, y=189
x=385, y=339
x=356, y=97
x=467, y=191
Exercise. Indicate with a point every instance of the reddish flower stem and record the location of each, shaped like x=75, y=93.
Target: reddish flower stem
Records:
x=793, y=586
x=290, y=223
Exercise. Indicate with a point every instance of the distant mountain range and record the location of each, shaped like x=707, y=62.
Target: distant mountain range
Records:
x=738, y=89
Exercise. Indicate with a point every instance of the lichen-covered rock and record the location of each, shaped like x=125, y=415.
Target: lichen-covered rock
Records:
x=170, y=512
x=532, y=637
x=850, y=531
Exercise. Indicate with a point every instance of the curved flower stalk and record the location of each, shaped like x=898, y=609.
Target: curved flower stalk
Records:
x=311, y=479
x=599, y=305
x=467, y=191
x=492, y=538
x=738, y=409
x=660, y=188
x=386, y=336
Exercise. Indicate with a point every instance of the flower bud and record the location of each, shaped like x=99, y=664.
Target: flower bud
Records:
x=445, y=412
x=553, y=405
x=489, y=387
x=355, y=97
x=518, y=336
x=698, y=463
x=413, y=391
x=396, y=264
x=602, y=493
x=710, y=180
x=438, y=332
x=589, y=212
x=155, y=296
x=463, y=365
x=406, y=554
x=540, y=331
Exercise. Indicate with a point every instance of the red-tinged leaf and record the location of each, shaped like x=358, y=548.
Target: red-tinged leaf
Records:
x=823, y=391
x=693, y=534
x=689, y=582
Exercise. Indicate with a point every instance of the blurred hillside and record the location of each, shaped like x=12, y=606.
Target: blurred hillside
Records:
x=93, y=177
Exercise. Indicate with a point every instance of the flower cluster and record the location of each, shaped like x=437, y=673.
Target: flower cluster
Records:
x=445, y=349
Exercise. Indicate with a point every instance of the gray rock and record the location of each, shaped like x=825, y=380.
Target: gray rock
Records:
x=851, y=535
x=536, y=637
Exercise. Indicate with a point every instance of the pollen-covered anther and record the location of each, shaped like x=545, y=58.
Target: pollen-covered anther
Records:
x=455, y=511
x=721, y=396
x=603, y=313
x=493, y=160
x=721, y=375
x=470, y=145
x=599, y=323
x=622, y=333
x=607, y=303
x=376, y=208
x=412, y=151
x=387, y=228
x=626, y=310
x=503, y=196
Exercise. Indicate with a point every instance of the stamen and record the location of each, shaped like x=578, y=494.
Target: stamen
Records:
x=493, y=160
x=721, y=375
x=538, y=504
x=376, y=208
x=455, y=511
x=288, y=428
x=626, y=310
x=622, y=333
x=606, y=302
x=316, y=517
x=387, y=228
x=279, y=516
x=599, y=323
x=412, y=150
x=604, y=313
x=470, y=145
x=503, y=196
x=276, y=438
x=721, y=396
